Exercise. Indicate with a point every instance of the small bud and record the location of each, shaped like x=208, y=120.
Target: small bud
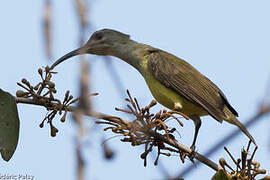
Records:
x=222, y=162
x=49, y=76
x=24, y=81
x=51, y=84
x=153, y=103
x=126, y=99
x=66, y=96
x=53, y=90
x=53, y=133
x=41, y=125
x=36, y=87
x=40, y=71
x=54, y=130
x=21, y=93
x=64, y=117
x=47, y=69
x=173, y=129
x=70, y=98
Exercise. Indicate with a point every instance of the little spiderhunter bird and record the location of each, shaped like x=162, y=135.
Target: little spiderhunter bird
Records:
x=172, y=81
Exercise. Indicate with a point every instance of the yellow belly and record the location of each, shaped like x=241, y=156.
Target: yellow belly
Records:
x=169, y=98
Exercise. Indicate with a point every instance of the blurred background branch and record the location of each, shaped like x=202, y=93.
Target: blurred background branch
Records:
x=84, y=104
x=47, y=15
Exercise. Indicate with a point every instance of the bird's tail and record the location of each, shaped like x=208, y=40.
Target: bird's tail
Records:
x=233, y=120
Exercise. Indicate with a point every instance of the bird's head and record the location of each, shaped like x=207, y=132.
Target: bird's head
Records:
x=102, y=42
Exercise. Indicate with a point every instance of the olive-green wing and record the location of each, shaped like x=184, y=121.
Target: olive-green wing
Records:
x=186, y=81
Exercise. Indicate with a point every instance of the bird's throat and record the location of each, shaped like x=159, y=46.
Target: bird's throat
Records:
x=132, y=53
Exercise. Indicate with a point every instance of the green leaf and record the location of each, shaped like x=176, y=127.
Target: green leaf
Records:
x=221, y=175
x=9, y=125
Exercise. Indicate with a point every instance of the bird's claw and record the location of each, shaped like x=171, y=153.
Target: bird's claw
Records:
x=192, y=153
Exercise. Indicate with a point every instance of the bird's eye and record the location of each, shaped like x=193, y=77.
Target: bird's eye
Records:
x=98, y=36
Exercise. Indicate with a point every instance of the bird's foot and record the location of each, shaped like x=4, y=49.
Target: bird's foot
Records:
x=192, y=154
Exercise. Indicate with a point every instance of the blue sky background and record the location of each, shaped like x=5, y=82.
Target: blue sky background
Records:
x=228, y=41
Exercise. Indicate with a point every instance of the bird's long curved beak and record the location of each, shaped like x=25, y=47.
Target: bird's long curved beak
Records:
x=81, y=50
